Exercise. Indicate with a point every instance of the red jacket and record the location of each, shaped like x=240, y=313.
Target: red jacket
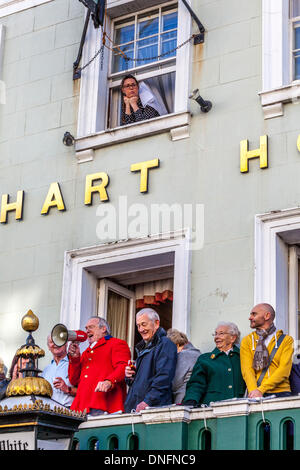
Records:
x=105, y=361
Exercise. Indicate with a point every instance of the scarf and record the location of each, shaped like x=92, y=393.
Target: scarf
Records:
x=261, y=355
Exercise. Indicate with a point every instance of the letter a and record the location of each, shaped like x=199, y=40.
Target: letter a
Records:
x=54, y=199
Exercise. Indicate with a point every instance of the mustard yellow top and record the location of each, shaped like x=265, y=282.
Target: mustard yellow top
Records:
x=276, y=378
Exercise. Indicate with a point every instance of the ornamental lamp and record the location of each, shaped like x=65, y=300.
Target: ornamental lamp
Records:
x=29, y=418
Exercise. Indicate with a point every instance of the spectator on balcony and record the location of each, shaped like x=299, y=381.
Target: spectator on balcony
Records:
x=5, y=380
x=187, y=355
x=99, y=372
x=56, y=373
x=3, y=370
x=150, y=384
x=14, y=372
x=217, y=375
x=133, y=109
x=266, y=355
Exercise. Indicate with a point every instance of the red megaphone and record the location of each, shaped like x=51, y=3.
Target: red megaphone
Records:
x=60, y=335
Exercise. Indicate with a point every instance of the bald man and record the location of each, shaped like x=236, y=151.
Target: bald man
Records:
x=266, y=375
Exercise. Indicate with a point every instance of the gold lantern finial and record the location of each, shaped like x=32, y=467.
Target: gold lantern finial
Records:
x=30, y=383
x=30, y=321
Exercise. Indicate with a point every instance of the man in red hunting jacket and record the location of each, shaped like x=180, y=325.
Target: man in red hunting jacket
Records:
x=99, y=372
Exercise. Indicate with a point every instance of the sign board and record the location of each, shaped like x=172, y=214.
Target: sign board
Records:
x=53, y=444
x=17, y=441
x=26, y=441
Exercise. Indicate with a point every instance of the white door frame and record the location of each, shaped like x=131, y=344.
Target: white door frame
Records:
x=79, y=291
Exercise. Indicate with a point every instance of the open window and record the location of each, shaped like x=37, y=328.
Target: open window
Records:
x=151, y=40
x=145, y=46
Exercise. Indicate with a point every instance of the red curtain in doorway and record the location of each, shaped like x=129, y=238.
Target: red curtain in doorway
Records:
x=154, y=293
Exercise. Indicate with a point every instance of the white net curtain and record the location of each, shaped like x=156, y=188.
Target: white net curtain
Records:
x=117, y=315
x=158, y=92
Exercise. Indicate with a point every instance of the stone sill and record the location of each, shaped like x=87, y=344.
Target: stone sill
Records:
x=177, y=124
x=272, y=101
x=171, y=414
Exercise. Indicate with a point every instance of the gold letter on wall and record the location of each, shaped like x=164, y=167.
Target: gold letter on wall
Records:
x=100, y=188
x=261, y=153
x=143, y=167
x=54, y=199
x=298, y=143
x=13, y=206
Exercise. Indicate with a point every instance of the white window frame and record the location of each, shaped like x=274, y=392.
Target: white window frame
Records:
x=136, y=14
x=153, y=69
x=2, y=83
x=292, y=21
x=294, y=257
x=2, y=38
x=105, y=285
x=278, y=86
x=9, y=7
x=275, y=278
x=79, y=291
x=91, y=93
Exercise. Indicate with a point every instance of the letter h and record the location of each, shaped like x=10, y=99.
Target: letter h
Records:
x=246, y=154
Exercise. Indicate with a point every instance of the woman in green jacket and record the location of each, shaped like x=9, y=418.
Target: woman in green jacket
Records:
x=217, y=375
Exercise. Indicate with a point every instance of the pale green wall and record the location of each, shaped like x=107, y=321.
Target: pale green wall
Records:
x=40, y=47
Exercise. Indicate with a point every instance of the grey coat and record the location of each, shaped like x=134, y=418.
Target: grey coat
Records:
x=185, y=362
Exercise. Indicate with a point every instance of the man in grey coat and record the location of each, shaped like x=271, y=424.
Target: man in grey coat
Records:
x=187, y=355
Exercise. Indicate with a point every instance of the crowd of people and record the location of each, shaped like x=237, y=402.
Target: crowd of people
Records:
x=167, y=369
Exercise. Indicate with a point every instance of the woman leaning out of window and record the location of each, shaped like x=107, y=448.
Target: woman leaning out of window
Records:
x=133, y=109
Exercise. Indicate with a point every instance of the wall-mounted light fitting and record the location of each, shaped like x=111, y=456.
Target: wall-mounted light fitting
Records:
x=204, y=104
x=68, y=139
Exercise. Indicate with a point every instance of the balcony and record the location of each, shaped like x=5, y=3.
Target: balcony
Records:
x=240, y=424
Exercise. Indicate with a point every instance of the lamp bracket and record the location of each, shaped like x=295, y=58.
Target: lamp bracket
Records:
x=199, y=38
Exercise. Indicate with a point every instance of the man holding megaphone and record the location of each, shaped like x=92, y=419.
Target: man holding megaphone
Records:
x=100, y=371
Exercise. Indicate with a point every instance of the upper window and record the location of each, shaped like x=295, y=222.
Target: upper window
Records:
x=144, y=47
x=141, y=73
x=146, y=38
x=295, y=38
x=281, y=55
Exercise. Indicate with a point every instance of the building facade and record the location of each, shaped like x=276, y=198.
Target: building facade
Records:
x=194, y=212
